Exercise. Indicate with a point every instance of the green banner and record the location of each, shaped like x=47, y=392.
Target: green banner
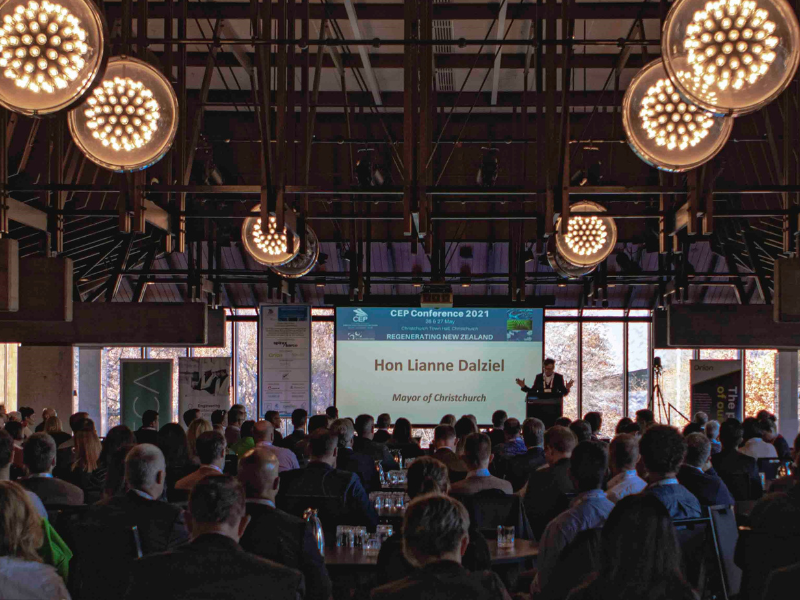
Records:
x=145, y=385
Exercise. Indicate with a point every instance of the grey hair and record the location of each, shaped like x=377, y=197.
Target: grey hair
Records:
x=712, y=430
x=698, y=449
x=142, y=464
x=433, y=526
x=345, y=430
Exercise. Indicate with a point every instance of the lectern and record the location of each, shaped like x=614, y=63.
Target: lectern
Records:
x=545, y=407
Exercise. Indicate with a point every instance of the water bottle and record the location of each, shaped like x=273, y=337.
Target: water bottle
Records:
x=381, y=472
x=311, y=516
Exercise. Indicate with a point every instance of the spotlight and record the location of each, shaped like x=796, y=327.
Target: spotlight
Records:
x=266, y=244
x=731, y=56
x=466, y=276
x=302, y=263
x=129, y=120
x=367, y=174
x=528, y=256
x=487, y=172
x=590, y=239
x=416, y=276
x=53, y=54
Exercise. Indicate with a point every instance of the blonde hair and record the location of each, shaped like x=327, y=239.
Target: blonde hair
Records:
x=87, y=448
x=197, y=427
x=53, y=425
x=20, y=523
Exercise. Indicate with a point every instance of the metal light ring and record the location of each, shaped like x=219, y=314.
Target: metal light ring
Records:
x=301, y=264
x=257, y=254
x=561, y=266
x=661, y=158
x=593, y=260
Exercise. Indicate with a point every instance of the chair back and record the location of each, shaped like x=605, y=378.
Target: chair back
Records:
x=64, y=517
x=693, y=538
x=576, y=564
x=739, y=486
x=490, y=508
x=758, y=553
x=769, y=467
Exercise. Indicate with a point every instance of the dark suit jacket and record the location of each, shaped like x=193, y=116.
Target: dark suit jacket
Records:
x=212, y=566
x=559, y=387
x=288, y=540
x=146, y=436
x=52, y=490
x=381, y=436
x=455, y=466
x=360, y=464
x=520, y=467
x=339, y=495
x=497, y=436
x=374, y=450
x=782, y=448
x=732, y=465
x=546, y=497
x=290, y=441
x=709, y=489
x=780, y=581
x=444, y=580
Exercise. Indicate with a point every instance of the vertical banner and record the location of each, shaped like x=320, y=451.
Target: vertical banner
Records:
x=717, y=388
x=204, y=383
x=144, y=384
x=285, y=358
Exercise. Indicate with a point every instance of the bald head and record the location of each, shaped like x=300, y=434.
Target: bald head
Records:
x=145, y=468
x=258, y=473
x=263, y=431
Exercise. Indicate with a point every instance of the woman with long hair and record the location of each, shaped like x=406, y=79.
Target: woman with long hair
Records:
x=55, y=428
x=116, y=438
x=401, y=440
x=639, y=556
x=173, y=442
x=464, y=427
x=197, y=427
x=23, y=576
x=84, y=470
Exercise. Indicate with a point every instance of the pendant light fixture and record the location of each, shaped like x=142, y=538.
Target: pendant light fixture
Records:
x=589, y=239
x=267, y=245
x=302, y=263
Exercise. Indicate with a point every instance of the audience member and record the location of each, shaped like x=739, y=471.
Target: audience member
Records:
x=115, y=472
x=639, y=556
x=116, y=438
x=274, y=534
x=213, y=565
x=83, y=471
x=402, y=440
x=582, y=430
x=190, y=415
x=545, y=493
x=645, y=418
x=23, y=576
x=219, y=419
x=365, y=444
x=54, y=427
x=755, y=444
x=697, y=424
x=497, y=434
x=663, y=449
x=246, y=441
x=299, y=421
x=563, y=422
x=513, y=445
x=332, y=412
x=148, y=432
x=46, y=414
x=595, y=421
x=588, y=510
x=174, y=445
x=448, y=420
x=737, y=470
x=263, y=436
x=697, y=475
x=624, y=454
x=785, y=483
x=274, y=417
x=477, y=456
x=444, y=449
x=520, y=467
x=781, y=580
x=14, y=429
x=74, y=424
x=465, y=427
x=775, y=438
x=211, y=449
x=382, y=426
x=349, y=503
x=302, y=449
x=712, y=433
x=622, y=424
x=196, y=429
x=27, y=420
x=6, y=452
x=40, y=459
x=435, y=537
x=236, y=416
x=355, y=462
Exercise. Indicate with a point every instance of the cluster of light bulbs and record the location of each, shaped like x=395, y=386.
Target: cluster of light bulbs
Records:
x=42, y=47
x=122, y=114
x=670, y=121
x=271, y=242
x=586, y=235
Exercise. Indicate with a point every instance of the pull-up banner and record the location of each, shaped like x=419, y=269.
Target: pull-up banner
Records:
x=717, y=388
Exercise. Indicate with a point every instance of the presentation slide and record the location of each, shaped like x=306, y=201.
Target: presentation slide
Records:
x=422, y=363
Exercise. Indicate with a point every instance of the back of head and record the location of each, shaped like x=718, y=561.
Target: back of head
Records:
x=445, y=434
x=477, y=450
x=622, y=424
x=39, y=453
x=448, y=420
x=344, y=430
x=512, y=428
x=322, y=442
x=6, y=448
x=174, y=444
x=258, y=470
x=190, y=415
x=563, y=422
x=15, y=430
x=142, y=464
x=712, y=430
x=20, y=524
x=263, y=431
x=384, y=421
x=236, y=415
x=115, y=471
x=87, y=447
x=663, y=449
x=317, y=422
x=645, y=416
x=332, y=412
x=499, y=418
x=116, y=438
x=427, y=475
x=588, y=465
x=27, y=412
x=624, y=452
x=560, y=440
x=218, y=416
x=698, y=449
x=582, y=430
x=149, y=418
x=765, y=414
x=767, y=428
x=196, y=429
x=217, y=501
x=700, y=418
x=53, y=425
x=210, y=446
x=594, y=419
x=299, y=418
x=364, y=424
x=76, y=418
x=402, y=431
x=247, y=429
x=433, y=526
x=533, y=432
x=730, y=433
x=464, y=427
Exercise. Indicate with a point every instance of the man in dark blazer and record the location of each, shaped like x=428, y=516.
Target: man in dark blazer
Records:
x=355, y=462
x=435, y=538
x=548, y=382
x=697, y=476
x=148, y=432
x=274, y=534
x=236, y=417
x=299, y=420
x=39, y=455
x=363, y=442
x=737, y=470
x=521, y=467
x=213, y=565
x=444, y=442
x=339, y=495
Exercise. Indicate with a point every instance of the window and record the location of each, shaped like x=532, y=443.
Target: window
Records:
x=602, y=378
x=322, y=369
x=674, y=384
x=247, y=362
x=638, y=368
x=109, y=411
x=760, y=374
x=172, y=354
x=8, y=376
x=227, y=351
x=720, y=354
x=561, y=344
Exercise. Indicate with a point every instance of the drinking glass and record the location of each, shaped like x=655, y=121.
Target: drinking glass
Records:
x=372, y=545
x=384, y=531
x=359, y=536
x=343, y=536
x=379, y=502
x=505, y=536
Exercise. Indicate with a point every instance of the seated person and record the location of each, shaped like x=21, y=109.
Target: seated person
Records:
x=402, y=440
x=624, y=454
x=210, y=448
x=588, y=510
x=236, y=418
x=6, y=452
x=645, y=419
x=497, y=434
x=513, y=445
x=355, y=462
x=40, y=459
x=754, y=433
x=190, y=415
x=712, y=433
x=365, y=444
x=595, y=421
x=299, y=421
x=697, y=476
x=434, y=540
x=428, y=475
x=773, y=437
x=382, y=425
x=477, y=456
x=732, y=466
x=663, y=449
x=274, y=534
x=545, y=494
x=340, y=495
x=213, y=565
x=582, y=430
x=697, y=425
x=520, y=467
x=787, y=482
x=302, y=449
x=148, y=432
x=444, y=444
x=274, y=417
x=263, y=436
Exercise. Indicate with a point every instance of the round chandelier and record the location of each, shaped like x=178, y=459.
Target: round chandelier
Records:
x=561, y=266
x=664, y=129
x=267, y=245
x=50, y=54
x=302, y=263
x=589, y=239
x=731, y=56
x=129, y=120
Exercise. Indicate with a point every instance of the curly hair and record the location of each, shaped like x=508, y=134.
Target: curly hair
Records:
x=20, y=524
x=663, y=449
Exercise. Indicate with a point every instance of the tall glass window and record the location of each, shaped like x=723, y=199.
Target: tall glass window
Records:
x=675, y=386
x=225, y=352
x=638, y=368
x=8, y=376
x=561, y=344
x=760, y=391
x=602, y=378
x=247, y=362
x=719, y=354
x=322, y=369
x=110, y=384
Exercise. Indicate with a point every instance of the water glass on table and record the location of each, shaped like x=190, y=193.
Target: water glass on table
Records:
x=372, y=545
x=505, y=536
x=359, y=536
x=384, y=531
x=344, y=536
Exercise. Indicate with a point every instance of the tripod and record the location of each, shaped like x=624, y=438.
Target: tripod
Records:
x=664, y=408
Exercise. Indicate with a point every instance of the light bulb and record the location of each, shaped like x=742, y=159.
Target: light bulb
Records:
x=266, y=244
x=589, y=239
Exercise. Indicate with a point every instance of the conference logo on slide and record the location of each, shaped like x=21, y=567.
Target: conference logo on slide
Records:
x=360, y=316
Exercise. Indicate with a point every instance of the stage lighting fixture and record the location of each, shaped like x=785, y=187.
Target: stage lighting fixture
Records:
x=267, y=245
x=129, y=120
x=731, y=57
x=561, y=266
x=589, y=239
x=50, y=54
x=487, y=172
x=302, y=263
x=665, y=130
